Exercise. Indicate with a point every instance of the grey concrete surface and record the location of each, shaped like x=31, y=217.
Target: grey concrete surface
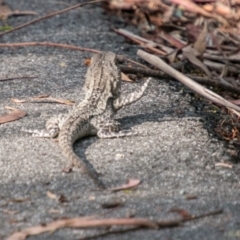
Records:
x=174, y=155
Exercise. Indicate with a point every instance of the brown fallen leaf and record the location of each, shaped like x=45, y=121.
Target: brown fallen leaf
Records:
x=191, y=197
x=67, y=169
x=191, y=54
x=62, y=199
x=5, y=11
x=130, y=184
x=125, y=77
x=200, y=44
x=19, y=200
x=15, y=100
x=113, y=204
x=15, y=115
x=87, y=62
x=184, y=214
x=52, y=195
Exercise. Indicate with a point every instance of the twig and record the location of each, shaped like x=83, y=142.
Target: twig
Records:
x=48, y=44
x=65, y=46
x=162, y=224
x=157, y=62
x=86, y=222
x=82, y=222
x=139, y=40
x=216, y=212
x=50, y=15
x=158, y=74
x=109, y=232
x=18, y=78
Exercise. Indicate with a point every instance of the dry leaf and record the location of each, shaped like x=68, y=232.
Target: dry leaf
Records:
x=87, y=62
x=201, y=42
x=19, y=200
x=185, y=214
x=62, y=64
x=222, y=164
x=130, y=184
x=52, y=195
x=15, y=100
x=191, y=197
x=191, y=53
x=125, y=77
x=15, y=115
x=67, y=169
x=62, y=199
x=5, y=11
x=112, y=204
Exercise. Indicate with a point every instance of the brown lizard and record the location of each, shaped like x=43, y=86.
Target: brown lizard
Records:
x=94, y=115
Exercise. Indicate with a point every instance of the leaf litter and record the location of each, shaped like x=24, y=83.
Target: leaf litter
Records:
x=205, y=32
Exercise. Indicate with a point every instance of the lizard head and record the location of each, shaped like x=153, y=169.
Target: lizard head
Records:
x=103, y=76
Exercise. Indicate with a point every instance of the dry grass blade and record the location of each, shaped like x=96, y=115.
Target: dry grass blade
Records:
x=15, y=115
x=157, y=62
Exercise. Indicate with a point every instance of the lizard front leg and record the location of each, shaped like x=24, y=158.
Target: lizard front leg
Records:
x=130, y=98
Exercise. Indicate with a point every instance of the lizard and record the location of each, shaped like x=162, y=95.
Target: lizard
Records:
x=95, y=114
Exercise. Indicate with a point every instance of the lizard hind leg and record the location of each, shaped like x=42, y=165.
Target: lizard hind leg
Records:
x=112, y=130
x=53, y=126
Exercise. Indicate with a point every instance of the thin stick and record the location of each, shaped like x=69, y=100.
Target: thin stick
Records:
x=89, y=222
x=157, y=62
x=50, y=15
x=48, y=44
x=65, y=46
x=16, y=78
x=139, y=40
x=159, y=74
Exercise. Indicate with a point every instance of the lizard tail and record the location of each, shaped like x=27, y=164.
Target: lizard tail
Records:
x=73, y=129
